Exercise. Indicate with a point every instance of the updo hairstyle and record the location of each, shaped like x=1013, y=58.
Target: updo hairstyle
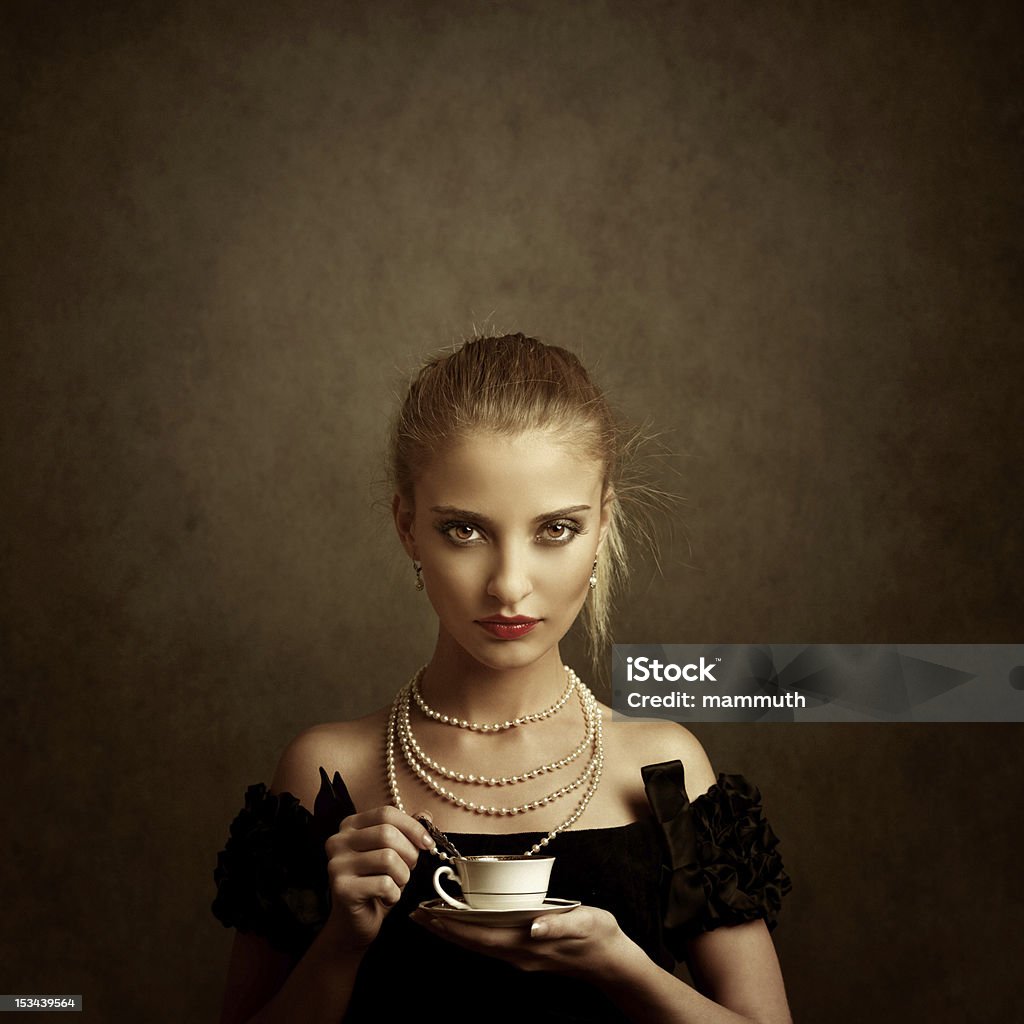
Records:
x=510, y=385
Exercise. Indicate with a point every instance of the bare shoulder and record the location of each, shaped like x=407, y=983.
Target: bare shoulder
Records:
x=654, y=741
x=345, y=747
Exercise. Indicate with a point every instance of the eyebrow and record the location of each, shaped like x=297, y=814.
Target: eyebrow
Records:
x=461, y=513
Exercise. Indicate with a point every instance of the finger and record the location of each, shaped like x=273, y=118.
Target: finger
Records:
x=580, y=923
x=482, y=938
x=381, y=836
x=353, y=891
x=346, y=869
x=412, y=830
x=376, y=837
x=380, y=862
x=576, y=924
x=513, y=945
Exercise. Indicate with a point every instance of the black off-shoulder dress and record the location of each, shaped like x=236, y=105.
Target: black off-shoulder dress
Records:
x=689, y=868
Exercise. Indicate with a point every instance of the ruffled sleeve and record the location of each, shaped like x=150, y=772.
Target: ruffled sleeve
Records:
x=721, y=865
x=271, y=877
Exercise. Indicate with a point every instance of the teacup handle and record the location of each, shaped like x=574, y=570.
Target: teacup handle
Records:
x=441, y=872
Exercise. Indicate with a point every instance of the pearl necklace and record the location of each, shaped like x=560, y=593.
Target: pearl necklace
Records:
x=492, y=726
x=414, y=752
x=471, y=805
x=591, y=775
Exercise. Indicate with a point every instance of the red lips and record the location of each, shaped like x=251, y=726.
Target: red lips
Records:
x=508, y=628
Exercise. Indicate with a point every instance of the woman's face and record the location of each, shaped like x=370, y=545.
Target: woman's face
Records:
x=507, y=530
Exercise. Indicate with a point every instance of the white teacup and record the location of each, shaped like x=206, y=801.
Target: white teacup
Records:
x=497, y=882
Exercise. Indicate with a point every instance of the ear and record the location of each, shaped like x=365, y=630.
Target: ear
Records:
x=404, y=516
x=608, y=505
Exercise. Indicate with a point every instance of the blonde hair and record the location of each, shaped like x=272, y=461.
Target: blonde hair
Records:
x=509, y=385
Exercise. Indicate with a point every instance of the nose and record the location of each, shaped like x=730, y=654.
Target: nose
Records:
x=510, y=579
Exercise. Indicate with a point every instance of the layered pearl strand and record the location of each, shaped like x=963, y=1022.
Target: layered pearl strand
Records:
x=413, y=752
x=414, y=686
x=471, y=805
x=400, y=737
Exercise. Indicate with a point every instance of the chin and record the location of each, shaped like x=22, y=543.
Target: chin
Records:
x=507, y=654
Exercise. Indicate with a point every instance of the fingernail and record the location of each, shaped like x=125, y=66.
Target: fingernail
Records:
x=538, y=929
x=426, y=842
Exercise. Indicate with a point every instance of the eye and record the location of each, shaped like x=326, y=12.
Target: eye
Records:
x=460, y=533
x=561, y=531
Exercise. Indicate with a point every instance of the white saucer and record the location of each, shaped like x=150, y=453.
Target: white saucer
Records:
x=514, y=917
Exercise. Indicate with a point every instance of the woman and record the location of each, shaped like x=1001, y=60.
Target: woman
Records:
x=507, y=469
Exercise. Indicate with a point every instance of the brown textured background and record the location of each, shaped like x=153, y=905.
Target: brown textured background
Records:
x=791, y=234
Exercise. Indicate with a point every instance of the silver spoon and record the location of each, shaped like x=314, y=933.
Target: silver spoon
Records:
x=438, y=836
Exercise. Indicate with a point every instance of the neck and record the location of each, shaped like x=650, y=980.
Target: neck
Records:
x=456, y=684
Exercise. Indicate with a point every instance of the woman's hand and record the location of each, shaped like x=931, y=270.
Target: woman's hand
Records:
x=369, y=861
x=584, y=942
